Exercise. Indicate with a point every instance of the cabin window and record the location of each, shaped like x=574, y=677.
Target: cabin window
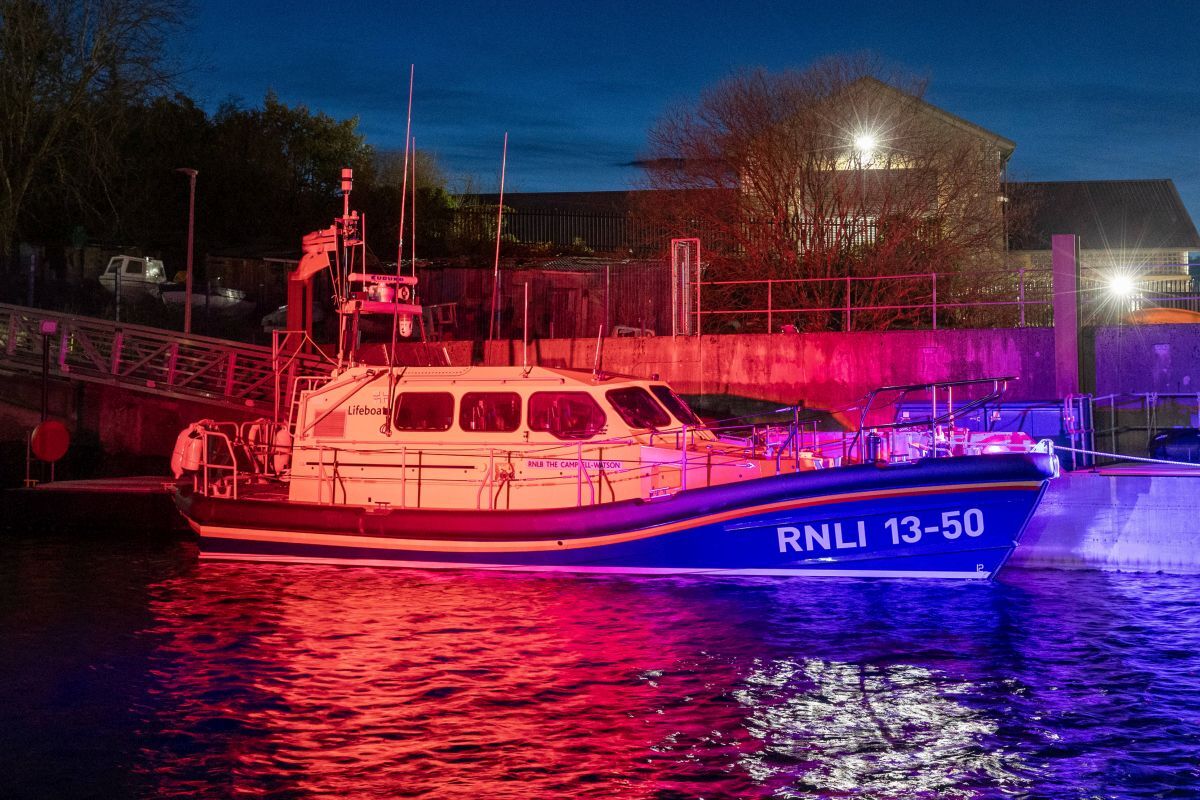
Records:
x=567, y=415
x=134, y=267
x=637, y=408
x=675, y=405
x=490, y=412
x=423, y=411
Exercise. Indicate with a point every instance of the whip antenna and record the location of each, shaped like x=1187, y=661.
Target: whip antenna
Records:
x=499, y=223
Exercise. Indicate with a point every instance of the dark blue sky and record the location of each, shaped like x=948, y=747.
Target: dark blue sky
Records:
x=1087, y=90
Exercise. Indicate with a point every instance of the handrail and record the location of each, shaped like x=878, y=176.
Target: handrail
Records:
x=167, y=363
x=999, y=385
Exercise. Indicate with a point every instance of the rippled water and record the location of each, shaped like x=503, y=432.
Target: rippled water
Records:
x=129, y=670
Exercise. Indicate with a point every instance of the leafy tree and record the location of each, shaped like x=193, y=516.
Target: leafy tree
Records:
x=69, y=71
x=273, y=173
x=434, y=205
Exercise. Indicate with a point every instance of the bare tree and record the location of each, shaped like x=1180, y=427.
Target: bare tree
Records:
x=68, y=70
x=831, y=173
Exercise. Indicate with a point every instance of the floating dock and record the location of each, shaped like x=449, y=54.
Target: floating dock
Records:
x=140, y=504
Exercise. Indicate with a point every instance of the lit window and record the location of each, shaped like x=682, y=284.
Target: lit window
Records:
x=424, y=411
x=675, y=405
x=490, y=412
x=567, y=415
x=637, y=408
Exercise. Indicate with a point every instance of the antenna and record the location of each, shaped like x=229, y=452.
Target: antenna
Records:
x=404, y=180
x=525, y=333
x=599, y=353
x=499, y=223
x=387, y=422
x=413, y=247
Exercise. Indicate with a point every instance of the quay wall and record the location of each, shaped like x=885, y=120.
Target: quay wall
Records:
x=1114, y=520
x=1147, y=358
x=823, y=370
x=113, y=430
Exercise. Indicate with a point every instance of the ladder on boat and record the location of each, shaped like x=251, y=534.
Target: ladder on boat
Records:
x=232, y=375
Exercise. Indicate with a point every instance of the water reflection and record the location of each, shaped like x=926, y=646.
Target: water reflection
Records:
x=135, y=672
x=316, y=680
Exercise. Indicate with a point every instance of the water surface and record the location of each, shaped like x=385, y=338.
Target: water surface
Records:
x=127, y=669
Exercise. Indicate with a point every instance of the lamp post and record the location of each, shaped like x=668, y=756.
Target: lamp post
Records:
x=187, y=289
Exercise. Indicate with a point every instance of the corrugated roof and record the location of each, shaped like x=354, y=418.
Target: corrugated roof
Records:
x=610, y=202
x=1129, y=214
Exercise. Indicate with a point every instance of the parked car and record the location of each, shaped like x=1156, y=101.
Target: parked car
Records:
x=136, y=276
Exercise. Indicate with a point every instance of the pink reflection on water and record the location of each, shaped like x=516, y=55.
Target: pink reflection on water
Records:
x=312, y=681
x=346, y=681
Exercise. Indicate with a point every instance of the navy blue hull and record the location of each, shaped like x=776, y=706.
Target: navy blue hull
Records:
x=955, y=517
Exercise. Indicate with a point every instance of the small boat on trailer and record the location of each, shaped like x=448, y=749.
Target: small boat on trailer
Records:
x=541, y=469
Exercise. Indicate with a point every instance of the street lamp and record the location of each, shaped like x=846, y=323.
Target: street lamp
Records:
x=187, y=289
x=865, y=144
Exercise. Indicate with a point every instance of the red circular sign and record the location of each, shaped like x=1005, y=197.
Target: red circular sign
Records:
x=50, y=440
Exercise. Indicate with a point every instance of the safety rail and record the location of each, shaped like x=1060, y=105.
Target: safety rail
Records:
x=249, y=452
x=216, y=443
x=1028, y=291
x=1134, y=419
x=161, y=362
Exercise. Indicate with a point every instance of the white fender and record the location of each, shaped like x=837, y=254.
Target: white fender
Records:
x=256, y=435
x=188, y=451
x=282, y=450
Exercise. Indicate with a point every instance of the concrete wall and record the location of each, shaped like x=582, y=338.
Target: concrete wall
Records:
x=119, y=420
x=824, y=370
x=1147, y=358
x=1115, y=521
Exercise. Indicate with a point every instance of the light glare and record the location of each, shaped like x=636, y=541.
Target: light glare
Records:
x=1122, y=286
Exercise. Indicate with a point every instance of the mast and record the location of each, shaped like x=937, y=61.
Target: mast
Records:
x=499, y=224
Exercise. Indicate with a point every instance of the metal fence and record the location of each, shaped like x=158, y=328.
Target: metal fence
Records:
x=922, y=300
x=575, y=297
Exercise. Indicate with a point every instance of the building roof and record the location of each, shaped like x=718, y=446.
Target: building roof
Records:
x=1129, y=214
x=869, y=84
x=610, y=202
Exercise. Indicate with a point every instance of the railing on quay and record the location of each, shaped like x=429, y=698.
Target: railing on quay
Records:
x=933, y=296
x=1132, y=420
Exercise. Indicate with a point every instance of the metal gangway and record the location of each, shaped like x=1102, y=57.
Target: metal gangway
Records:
x=219, y=372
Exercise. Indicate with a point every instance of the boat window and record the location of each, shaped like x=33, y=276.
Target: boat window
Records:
x=112, y=265
x=423, y=411
x=637, y=407
x=134, y=267
x=567, y=415
x=490, y=411
x=675, y=405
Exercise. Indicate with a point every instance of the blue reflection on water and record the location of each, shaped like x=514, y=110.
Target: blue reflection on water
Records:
x=128, y=669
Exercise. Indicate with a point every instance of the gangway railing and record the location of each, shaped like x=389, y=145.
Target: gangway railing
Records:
x=166, y=363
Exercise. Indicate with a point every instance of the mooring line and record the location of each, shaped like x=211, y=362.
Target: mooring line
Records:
x=1121, y=457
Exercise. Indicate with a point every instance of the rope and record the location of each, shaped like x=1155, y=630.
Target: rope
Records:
x=1120, y=457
